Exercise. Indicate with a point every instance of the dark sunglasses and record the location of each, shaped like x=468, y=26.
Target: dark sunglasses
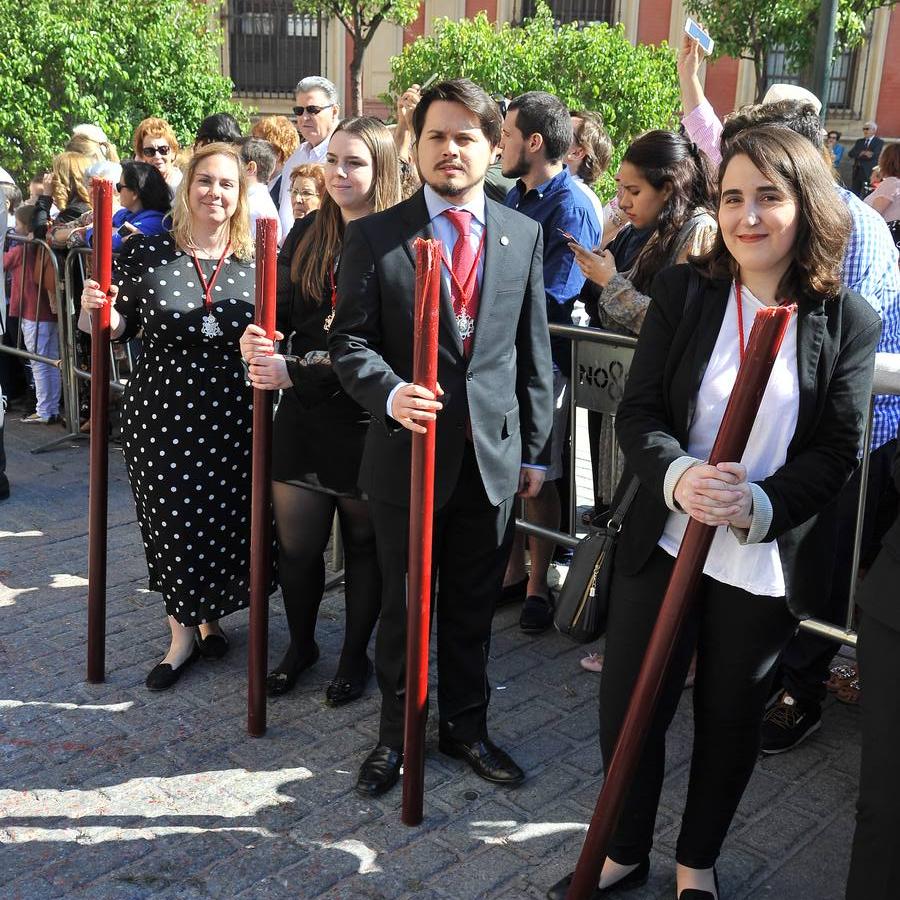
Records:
x=310, y=110
x=152, y=151
x=119, y=186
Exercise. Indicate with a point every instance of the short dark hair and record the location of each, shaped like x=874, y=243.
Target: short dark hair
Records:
x=889, y=161
x=262, y=153
x=467, y=94
x=591, y=136
x=147, y=183
x=218, y=127
x=542, y=113
x=837, y=134
x=798, y=115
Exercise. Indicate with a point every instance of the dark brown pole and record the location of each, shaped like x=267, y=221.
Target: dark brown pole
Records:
x=765, y=339
x=99, y=452
x=261, y=494
x=421, y=520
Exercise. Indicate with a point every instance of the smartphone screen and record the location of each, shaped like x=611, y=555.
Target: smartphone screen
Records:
x=569, y=237
x=692, y=29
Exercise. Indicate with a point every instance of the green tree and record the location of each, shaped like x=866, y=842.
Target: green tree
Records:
x=751, y=29
x=107, y=62
x=361, y=19
x=635, y=88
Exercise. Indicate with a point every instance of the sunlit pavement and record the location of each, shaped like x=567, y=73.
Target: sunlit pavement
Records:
x=108, y=791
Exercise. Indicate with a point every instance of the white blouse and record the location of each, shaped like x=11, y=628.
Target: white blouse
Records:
x=753, y=567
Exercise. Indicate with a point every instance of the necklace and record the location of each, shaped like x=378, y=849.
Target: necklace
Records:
x=326, y=325
x=210, y=327
x=464, y=321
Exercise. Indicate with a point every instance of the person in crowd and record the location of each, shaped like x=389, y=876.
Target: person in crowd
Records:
x=885, y=199
x=865, y=153
x=72, y=234
x=92, y=141
x=7, y=189
x=781, y=238
x=496, y=184
x=145, y=203
x=319, y=430
x=318, y=113
x=537, y=135
x=259, y=162
x=870, y=269
x=876, y=843
x=192, y=293
x=834, y=145
x=665, y=189
x=403, y=131
x=589, y=155
x=281, y=133
x=219, y=127
x=155, y=143
x=35, y=188
x=30, y=301
x=493, y=425
x=307, y=189
x=65, y=189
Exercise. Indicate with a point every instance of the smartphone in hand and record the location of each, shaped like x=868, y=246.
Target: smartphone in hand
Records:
x=693, y=30
x=569, y=237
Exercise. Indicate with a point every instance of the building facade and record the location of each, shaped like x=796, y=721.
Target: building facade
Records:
x=269, y=47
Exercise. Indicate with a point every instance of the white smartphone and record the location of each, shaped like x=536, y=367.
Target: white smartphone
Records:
x=693, y=30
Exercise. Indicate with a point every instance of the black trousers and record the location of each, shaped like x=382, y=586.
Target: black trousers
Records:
x=875, y=864
x=471, y=545
x=807, y=658
x=738, y=637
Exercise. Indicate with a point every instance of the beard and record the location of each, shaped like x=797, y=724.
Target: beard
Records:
x=452, y=189
x=520, y=167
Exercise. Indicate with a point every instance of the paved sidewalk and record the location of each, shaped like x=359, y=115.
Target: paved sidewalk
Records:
x=108, y=791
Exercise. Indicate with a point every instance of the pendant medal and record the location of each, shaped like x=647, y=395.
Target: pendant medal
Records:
x=466, y=324
x=210, y=327
x=326, y=325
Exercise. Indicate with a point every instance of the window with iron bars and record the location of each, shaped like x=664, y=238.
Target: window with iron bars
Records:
x=271, y=46
x=585, y=12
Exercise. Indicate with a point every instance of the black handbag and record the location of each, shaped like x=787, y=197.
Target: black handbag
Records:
x=583, y=602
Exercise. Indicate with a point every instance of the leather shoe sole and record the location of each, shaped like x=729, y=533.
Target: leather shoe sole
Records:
x=379, y=772
x=486, y=760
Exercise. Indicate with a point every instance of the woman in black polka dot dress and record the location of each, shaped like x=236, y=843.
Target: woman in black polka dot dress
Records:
x=187, y=410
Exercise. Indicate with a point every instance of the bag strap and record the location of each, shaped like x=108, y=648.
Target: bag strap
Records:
x=622, y=509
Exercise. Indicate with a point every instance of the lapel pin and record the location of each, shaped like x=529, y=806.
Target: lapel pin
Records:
x=504, y=240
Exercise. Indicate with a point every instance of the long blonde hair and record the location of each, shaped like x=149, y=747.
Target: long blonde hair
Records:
x=239, y=224
x=317, y=249
x=68, y=178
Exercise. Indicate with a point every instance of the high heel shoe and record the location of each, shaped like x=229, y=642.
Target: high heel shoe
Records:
x=635, y=878
x=697, y=894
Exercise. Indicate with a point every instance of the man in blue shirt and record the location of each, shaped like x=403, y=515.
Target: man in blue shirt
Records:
x=536, y=135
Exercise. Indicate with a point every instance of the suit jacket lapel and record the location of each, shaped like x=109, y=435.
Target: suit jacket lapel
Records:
x=494, y=258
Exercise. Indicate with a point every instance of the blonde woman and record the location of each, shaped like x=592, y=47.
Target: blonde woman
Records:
x=186, y=423
x=64, y=187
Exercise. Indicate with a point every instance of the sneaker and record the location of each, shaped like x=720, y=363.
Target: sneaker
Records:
x=35, y=419
x=788, y=723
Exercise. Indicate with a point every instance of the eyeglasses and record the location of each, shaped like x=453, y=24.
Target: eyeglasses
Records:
x=866, y=128
x=152, y=151
x=310, y=110
x=303, y=195
x=120, y=186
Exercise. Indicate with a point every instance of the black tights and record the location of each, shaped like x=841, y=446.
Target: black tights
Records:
x=303, y=520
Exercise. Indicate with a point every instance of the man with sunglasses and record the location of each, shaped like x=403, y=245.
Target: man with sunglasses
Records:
x=318, y=113
x=865, y=153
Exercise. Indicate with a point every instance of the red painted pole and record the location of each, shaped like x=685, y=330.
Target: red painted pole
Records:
x=261, y=492
x=421, y=520
x=99, y=448
x=769, y=328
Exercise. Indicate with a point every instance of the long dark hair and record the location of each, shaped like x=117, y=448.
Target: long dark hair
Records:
x=666, y=158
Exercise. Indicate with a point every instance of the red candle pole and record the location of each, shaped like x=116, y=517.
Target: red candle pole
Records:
x=99, y=448
x=421, y=519
x=769, y=328
x=261, y=492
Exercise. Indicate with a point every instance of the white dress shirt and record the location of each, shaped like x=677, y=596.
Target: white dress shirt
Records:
x=305, y=153
x=261, y=206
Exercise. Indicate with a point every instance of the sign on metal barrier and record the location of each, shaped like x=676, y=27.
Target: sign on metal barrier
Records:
x=600, y=374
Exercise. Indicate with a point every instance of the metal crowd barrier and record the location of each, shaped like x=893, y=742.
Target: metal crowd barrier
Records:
x=44, y=253
x=600, y=364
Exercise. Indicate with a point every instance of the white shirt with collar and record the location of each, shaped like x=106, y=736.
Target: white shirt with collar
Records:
x=305, y=153
x=261, y=207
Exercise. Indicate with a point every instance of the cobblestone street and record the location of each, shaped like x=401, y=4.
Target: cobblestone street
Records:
x=108, y=791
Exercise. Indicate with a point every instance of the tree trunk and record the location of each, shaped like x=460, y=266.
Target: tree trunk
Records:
x=760, y=63
x=356, y=64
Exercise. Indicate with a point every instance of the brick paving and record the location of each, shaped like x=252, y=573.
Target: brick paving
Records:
x=108, y=791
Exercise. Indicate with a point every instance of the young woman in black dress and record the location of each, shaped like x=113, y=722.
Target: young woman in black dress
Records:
x=319, y=430
x=186, y=424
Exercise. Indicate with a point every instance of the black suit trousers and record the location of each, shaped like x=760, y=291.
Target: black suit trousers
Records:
x=738, y=637
x=471, y=543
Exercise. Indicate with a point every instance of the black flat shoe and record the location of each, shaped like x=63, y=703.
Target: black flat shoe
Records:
x=486, y=760
x=280, y=682
x=697, y=894
x=537, y=614
x=346, y=690
x=379, y=771
x=513, y=593
x=635, y=878
x=213, y=646
x=163, y=676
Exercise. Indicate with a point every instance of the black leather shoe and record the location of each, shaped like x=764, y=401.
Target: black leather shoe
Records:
x=513, y=593
x=213, y=646
x=346, y=690
x=635, y=878
x=537, y=614
x=280, y=680
x=379, y=771
x=697, y=894
x=163, y=676
x=486, y=759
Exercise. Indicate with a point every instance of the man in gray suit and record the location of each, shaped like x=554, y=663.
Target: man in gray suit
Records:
x=493, y=415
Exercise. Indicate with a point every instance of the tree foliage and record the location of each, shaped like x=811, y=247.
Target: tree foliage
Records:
x=361, y=19
x=107, y=62
x=595, y=67
x=751, y=29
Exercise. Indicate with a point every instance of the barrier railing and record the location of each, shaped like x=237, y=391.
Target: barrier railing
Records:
x=600, y=364
x=42, y=258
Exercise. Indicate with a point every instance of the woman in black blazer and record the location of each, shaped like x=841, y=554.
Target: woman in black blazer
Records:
x=782, y=233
